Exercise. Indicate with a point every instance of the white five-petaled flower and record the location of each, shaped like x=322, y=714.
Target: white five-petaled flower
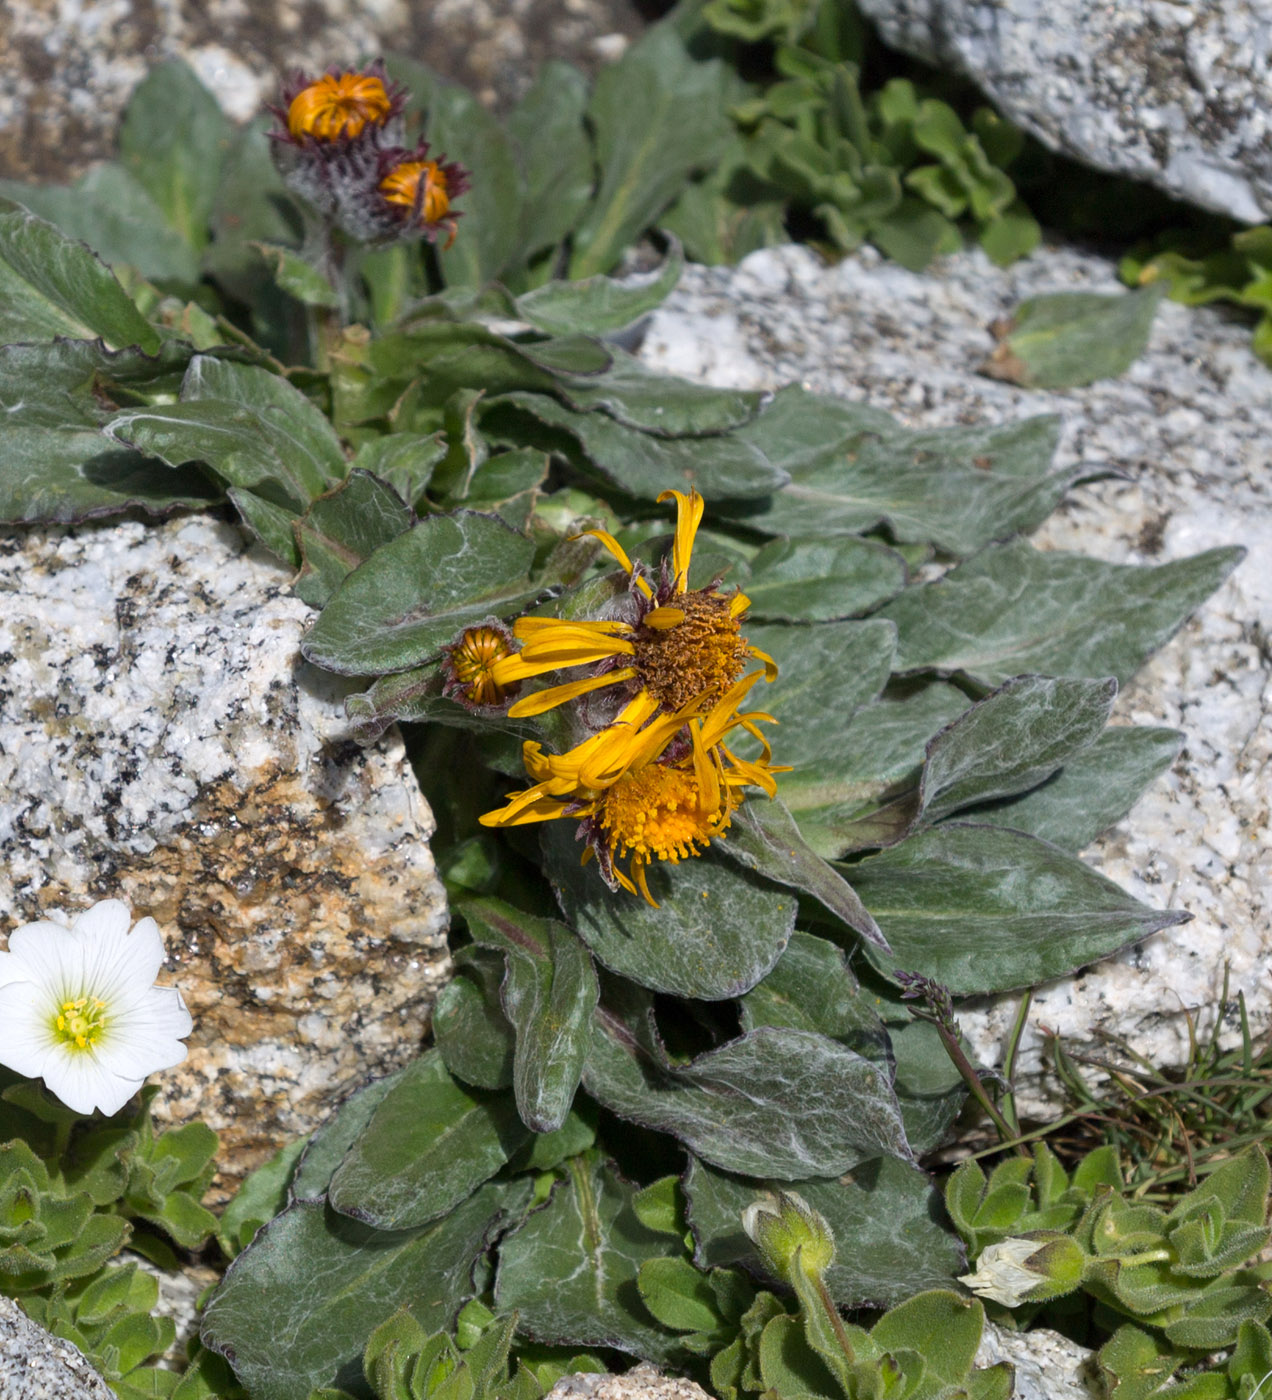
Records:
x=79, y=1008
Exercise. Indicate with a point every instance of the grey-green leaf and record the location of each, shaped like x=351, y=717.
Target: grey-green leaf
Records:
x=683, y=126
x=600, y=305
x=776, y=1102
x=764, y=837
x=1094, y=789
x=173, y=140
x=982, y=909
x=570, y=1269
x=959, y=488
x=1014, y=609
x=639, y=463
x=332, y=1139
x=549, y=995
x=822, y=580
x=56, y=464
x=1012, y=740
x=469, y=1025
x=343, y=529
x=662, y=404
x=51, y=285
x=887, y=1220
x=811, y=988
x=429, y=1144
x=295, y=1309
x=417, y=592
x=1068, y=339
x=717, y=931
x=556, y=157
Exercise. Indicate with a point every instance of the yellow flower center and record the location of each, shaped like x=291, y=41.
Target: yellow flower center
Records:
x=337, y=105
x=699, y=657
x=80, y=1022
x=401, y=186
x=658, y=813
x=471, y=661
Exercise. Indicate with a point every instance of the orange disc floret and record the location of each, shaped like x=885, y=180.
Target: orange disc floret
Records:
x=420, y=191
x=339, y=105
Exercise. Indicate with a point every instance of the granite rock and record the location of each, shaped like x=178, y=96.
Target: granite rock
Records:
x=1178, y=94
x=67, y=68
x=1188, y=426
x=162, y=742
x=1048, y=1366
x=37, y=1366
x=643, y=1382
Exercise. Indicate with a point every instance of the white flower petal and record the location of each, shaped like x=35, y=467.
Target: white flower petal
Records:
x=26, y=1030
x=52, y=955
x=119, y=965
x=106, y=922
x=148, y=1036
x=83, y=1083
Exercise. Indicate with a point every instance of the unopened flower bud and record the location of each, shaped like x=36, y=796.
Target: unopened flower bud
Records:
x=1028, y=1269
x=790, y=1234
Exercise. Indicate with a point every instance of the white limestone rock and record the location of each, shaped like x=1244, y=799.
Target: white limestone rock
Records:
x=1178, y=94
x=161, y=741
x=1189, y=424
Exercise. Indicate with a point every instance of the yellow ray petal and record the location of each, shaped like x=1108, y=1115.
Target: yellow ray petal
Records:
x=663, y=619
x=688, y=517
x=770, y=666
x=620, y=554
x=543, y=700
x=527, y=627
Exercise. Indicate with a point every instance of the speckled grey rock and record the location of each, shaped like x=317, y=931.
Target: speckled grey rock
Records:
x=643, y=1382
x=1047, y=1365
x=1189, y=424
x=37, y=1366
x=1178, y=93
x=66, y=69
x=161, y=741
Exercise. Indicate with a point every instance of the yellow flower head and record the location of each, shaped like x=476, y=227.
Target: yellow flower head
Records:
x=682, y=646
x=653, y=788
x=337, y=106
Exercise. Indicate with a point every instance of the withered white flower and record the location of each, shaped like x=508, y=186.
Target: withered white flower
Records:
x=79, y=1008
x=1002, y=1272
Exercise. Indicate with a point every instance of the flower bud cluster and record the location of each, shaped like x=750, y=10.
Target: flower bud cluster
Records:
x=340, y=145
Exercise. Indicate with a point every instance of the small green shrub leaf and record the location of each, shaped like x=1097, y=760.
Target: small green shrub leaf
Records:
x=886, y=1217
x=549, y=995
x=640, y=463
x=56, y=465
x=983, y=909
x=1013, y=609
x=331, y=1140
x=811, y=988
x=416, y=593
x=428, y=1145
x=469, y=1025
x=715, y=933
